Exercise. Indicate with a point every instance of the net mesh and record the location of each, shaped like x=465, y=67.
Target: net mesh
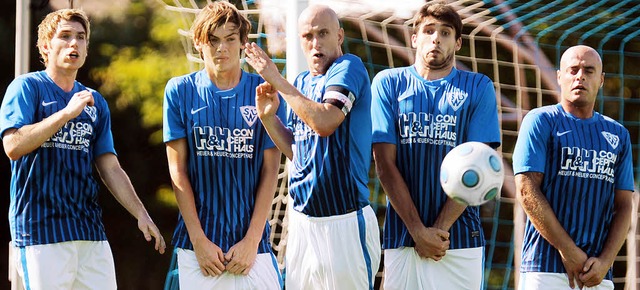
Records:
x=517, y=43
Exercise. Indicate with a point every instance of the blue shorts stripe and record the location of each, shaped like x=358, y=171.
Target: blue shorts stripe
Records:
x=362, y=231
x=23, y=261
x=275, y=266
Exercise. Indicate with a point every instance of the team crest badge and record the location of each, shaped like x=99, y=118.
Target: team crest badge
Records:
x=456, y=98
x=92, y=112
x=613, y=140
x=249, y=114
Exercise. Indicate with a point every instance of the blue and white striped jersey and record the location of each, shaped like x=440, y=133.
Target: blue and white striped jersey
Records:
x=583, y=161
x=53, y=192
x=425, y=120
x=225, y=141
x=329, y=175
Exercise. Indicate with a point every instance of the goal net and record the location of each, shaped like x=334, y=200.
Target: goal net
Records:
x=516, y=43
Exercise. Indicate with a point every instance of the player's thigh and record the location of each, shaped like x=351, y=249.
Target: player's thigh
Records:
x=459, y=269
x=464, y=268
x=298, y=258
x=352, y=249
x=336, y=252
x=263, y=275
x=96, y=269
x=49, y=266
x=400, y=268
x=553, y=281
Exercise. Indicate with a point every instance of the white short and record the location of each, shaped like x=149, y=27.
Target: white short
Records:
x=458, y=269
x=264, y=275
x=554, y=281
x=336, y=252
x=67, y=265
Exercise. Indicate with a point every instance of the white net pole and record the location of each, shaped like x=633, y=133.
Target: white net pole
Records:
x=295, y=59
x=23, y=20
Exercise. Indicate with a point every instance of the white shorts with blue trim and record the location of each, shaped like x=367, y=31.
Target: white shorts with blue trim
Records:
x=264, y=274
x=554, y=281
x=336, y=252
x=458, y=269
x=68, y=265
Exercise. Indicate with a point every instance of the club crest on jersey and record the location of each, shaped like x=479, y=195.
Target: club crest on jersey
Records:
x=92, y=112
x=456, y=98
x=249, y=114
x=613, y=140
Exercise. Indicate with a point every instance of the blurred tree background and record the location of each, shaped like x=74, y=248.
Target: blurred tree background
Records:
x=134, y=50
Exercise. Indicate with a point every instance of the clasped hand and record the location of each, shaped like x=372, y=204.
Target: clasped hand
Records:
x=214, y=262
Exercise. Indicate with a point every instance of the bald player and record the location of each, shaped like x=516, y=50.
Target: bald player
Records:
x=333, y=240
x=574, y=179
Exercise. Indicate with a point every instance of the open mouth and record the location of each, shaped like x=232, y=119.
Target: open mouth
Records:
x=579, y=87
x=318, y=55
x=74, y=55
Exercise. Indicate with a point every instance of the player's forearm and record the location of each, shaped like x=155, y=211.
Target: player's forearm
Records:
x=119, y=184
x=282, y=137
x=22, y=141
x=404, y=207
x=320, y=117
x=540, y=212
x=398, y=194
x=177, y=160
x=450, y=212
x=187, y=208
x=264, y=194
x=619, y=227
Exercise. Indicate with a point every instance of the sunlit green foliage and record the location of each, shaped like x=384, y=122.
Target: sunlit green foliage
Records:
x=137, y=74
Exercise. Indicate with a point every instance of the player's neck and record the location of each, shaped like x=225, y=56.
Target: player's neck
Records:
x=580, y=111
x=225, y=80
x=64, y=78
x=430, y=74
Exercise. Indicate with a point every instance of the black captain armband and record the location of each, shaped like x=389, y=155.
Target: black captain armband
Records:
x=339, y=97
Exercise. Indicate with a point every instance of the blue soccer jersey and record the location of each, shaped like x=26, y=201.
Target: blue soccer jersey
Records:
x=425, y=120
x=54, y=197
x=583, y=161
x=329, y=175
x=225, y=141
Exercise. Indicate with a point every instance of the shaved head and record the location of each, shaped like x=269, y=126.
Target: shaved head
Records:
x=319, y=12
x=580, y=51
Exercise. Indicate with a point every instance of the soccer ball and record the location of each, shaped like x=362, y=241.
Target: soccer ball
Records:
x=472, y=173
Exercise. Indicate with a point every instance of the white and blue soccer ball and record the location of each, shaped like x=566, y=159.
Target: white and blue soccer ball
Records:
x=472, y=173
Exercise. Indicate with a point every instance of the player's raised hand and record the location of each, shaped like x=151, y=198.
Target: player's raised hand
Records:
x=241, y=257
x=210, y=257
x=594, y=271
x=261, y=62
x=267, y=100
x=77, y=103
x=431, y=243
x=574, y=260
x=149, y=229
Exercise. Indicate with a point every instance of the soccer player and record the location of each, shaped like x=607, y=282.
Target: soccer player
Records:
x=54, y=129
x=333, y=239
x=223, y=164
x=574, y=179
x=420, y=113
